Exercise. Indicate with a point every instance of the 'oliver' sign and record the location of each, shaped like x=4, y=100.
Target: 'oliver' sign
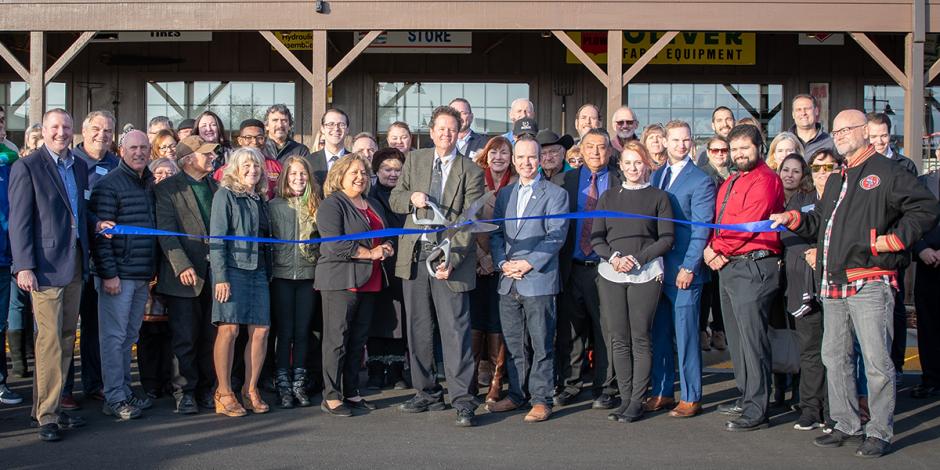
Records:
x=695, y=48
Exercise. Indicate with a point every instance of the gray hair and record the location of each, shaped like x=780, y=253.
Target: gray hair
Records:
x=160, y=162
x=160, y=120
x=281, y=109
x=231, y=179
x=99, y=113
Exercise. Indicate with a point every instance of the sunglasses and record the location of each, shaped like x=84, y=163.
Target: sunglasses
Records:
x=718, y=151
x=627, y=122
x=824, y=166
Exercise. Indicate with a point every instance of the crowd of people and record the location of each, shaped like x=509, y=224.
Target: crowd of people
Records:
x=551, y=306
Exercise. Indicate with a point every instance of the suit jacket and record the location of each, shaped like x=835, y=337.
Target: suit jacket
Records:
x=569, y=182
x=42, y=230
x=692, y=194
x=464, y=186
x=178, y=211
x=475, y=144
x=336, y=268
x=319, y=166
x=536, y=241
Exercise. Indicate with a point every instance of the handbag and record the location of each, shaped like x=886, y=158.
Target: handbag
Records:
x=784, y=351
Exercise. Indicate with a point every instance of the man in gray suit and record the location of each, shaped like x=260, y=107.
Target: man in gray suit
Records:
x=526, y=251
x=440, y=175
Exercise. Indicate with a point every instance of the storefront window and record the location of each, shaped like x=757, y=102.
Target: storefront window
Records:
x=413, y=102
x=232, y=101
x=14, y=98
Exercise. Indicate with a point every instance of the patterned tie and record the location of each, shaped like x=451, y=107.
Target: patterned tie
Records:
x=589, y=205
x=437, y=178
x=666, y=179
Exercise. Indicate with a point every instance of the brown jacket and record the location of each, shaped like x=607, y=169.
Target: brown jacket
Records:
x=178, y=211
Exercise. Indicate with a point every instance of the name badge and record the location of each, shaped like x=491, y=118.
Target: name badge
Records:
x=87, y=194
x=101, y=170
x=807, y=207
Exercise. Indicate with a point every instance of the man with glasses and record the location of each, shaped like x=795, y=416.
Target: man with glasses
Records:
x=251, y=134
x=279, y=125
x=722, y=122
x=805, y=111
x=623, y=128
x=872, y=210
x=334, y=127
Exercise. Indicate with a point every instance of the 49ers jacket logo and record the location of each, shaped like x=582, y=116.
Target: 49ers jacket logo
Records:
x=870, y=182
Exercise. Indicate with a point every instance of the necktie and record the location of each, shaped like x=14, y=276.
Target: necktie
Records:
x=331, y=161
x=437, y=178
x=667, y=178
x=588, y=224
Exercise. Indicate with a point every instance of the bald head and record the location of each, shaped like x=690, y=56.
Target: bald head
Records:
x=850, y=133
x=135, y=150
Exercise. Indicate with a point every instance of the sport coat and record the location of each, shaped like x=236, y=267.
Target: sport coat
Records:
x=569, y=181
x=475, y=143
x=42, y=230
x=464, y=185
x=178, y=211
x=337, y=268
x=536, y=241
x=319, y=166
x=692, y=194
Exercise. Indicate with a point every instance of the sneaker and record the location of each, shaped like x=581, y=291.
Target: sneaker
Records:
x=186, y=405
x=9, y=397
x=142, y=403
x=704, y=341
x=873, y=447
x=835, y=439
x=807, y=423
x=122, y=410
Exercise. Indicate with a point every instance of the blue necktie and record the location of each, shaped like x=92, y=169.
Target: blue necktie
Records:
x=666, y=178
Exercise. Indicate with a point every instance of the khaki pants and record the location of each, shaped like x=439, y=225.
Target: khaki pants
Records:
x=56, y=312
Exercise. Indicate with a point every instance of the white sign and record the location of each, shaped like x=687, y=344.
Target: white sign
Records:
x=420, y=42
x=154, y=36
x=822, y=39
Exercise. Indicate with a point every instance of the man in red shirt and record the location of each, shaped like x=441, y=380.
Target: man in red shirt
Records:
x=749, y=270
x=251, y=134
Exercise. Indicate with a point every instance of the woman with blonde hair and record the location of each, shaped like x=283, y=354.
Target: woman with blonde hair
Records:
x=163, y=145
x=240, y=278
x=785, y=143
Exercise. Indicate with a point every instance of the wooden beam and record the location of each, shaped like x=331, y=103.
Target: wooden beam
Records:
x=319, y=75
x=14, y=63
x=934, y=71
x=914, y=92
x=37, y=82
x=648, y=56
x=289, y=56
x=872, y=49
x=68, y=55
x=351, y=56
x=169, y=99
x=581, y=55
x=614, y=72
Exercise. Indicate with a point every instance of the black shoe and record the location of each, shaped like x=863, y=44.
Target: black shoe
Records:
x=604, y=402
x=835, y=439
x=186, y=405
x=206, y=401
x=807, y=423
x=49, y=432
x=67, y=421
x=464, y=418
x=342, y=410
x=873, y=447
x=564, y=398
x=730, y=409
x=627, y=413
x=924, y=391
x=744, y=425
x=360, y=405
x=420, y=405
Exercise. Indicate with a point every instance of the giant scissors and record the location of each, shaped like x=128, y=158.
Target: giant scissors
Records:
x=467, y=222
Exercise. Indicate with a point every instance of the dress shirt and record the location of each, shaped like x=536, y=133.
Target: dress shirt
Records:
x=754, y=196
x=524, y=195
x=674, y=170
x=64, y=166
x=329, y=157
x=584, y=183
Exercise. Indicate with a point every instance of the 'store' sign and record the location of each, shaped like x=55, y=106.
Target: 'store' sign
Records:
x=694, y=48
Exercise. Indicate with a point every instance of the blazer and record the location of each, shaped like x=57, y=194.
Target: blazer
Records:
x=177, y=211
x=42, y=230
x=536, y=241
x=463, y=187
x=475, y=143
x=336, y=268
x=318, y=166
x=692, y=194
x=569, y=181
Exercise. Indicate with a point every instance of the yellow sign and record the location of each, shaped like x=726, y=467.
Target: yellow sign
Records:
x=296, y=40
x=695, y=48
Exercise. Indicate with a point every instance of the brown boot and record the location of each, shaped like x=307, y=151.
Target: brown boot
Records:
x=497, y=352
x=476, y=346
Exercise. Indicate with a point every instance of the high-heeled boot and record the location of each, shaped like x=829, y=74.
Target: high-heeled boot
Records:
x=285, y=395
x=497, y=352
x=300, y=391
x=476, y=347
x=18, y=354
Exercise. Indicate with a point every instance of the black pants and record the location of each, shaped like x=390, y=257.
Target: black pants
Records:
x=748, y=290
x=155, y=356
x=579, y=323
x=429, y=301
x=484, y=305
x=927, y=303
x=813, y=393
x=346, y=319
x=388, y=347
x=193, y=340
x=89, y=346
x=711, y=303
x=899, y=342
x=292, y=308
x=627, y=311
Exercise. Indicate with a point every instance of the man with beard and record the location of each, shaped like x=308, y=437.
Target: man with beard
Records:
x=622, y=128
x=722, y=122
x=587, y=118
x=279, y=124
x=749, y=269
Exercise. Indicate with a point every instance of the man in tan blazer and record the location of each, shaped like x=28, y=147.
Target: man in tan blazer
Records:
x=439, y=174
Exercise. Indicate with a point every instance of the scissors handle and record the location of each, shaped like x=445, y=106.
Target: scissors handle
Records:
x=442, y=250
x=438, y=220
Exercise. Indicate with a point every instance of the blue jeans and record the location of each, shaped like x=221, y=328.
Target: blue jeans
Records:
x=119, y=322
x=529, y=320
x=870, y=314
x=17, y=311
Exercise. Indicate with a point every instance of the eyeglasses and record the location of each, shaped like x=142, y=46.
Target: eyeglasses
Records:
x=625, y=122
x=335, y=125
x=845, y=130
x=256, y=138
x=164, y=148
x=824, y=166
x=718, y=151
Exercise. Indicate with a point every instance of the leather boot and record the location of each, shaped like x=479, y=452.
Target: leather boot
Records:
x=376, y=371
x=285, y=395
x=299, y=389
x=476, y=346
x=18, y=354
x=497, y=352
x=396, y=375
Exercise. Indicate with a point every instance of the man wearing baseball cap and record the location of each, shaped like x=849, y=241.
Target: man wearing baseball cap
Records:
x=185, y=128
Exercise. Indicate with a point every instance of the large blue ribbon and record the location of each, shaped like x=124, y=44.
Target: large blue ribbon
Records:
x=750, y=227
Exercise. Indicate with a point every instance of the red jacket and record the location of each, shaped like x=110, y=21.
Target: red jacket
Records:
x=755, y=195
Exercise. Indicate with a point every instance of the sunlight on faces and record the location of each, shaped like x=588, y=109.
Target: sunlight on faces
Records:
x=791, y=173
x=744, y=153
x=57, y=132
x=444, y=133
x=466, y=115
x=587, y=119
x=135, y=150
x=526, y=159
x=355, y=179
x=334, y=128
x=366, y=146
x=634, y=169
x=723, y=122
x=521, y=108
x=717, y=152
x=252, y=137
x=879, y=136
x=498, y=158
x=655, y=143
x=297, y=178
x=209, y=129
x=625, y=123
x=820, y=175
x=167, y=147
x=594, y=152
x=164, y=171
x=851, y=132
x=98, y=135
x=278, y=127
x=804, y=113
x=389, y=172
x=678, y=143
x=399, y=138
x=784, y=147
x=249, y=172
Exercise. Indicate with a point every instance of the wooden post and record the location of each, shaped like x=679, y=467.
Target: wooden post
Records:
x=319, y=77
x=914, y=91
x=614, y=73
x=37, y=78
x=68, y=55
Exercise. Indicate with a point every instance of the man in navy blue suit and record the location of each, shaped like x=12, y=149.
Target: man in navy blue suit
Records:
x=50, y=234
x=692, y=194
